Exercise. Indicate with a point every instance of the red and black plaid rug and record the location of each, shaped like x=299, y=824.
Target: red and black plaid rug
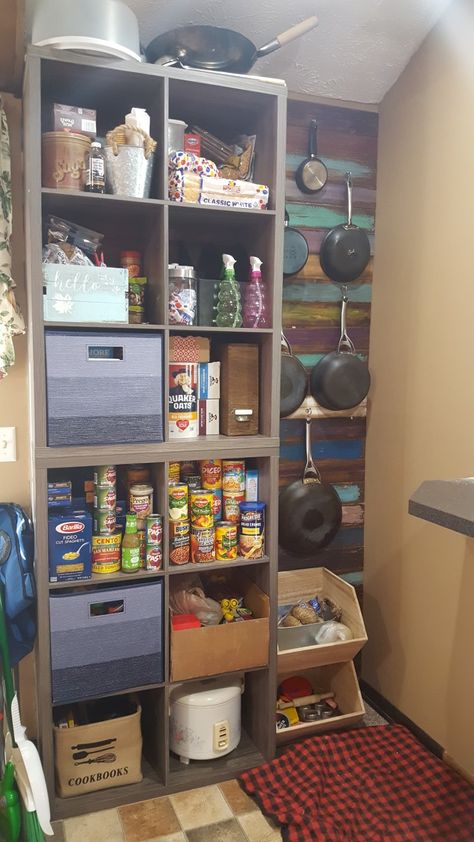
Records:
x=375, y=784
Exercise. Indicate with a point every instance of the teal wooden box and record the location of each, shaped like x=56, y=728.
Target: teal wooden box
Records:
x=84, y=294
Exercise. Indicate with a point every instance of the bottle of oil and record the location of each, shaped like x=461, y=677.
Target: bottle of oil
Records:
x=131, y=545
x=95, y=178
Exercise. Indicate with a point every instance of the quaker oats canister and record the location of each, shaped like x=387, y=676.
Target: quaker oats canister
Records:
x=183, y=415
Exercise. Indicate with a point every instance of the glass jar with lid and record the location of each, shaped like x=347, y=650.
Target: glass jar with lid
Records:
x=182, y=298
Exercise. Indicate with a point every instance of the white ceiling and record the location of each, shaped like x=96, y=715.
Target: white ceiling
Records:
x=356, y=53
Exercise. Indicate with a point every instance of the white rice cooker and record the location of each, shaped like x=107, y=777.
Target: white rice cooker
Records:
x=205, y=718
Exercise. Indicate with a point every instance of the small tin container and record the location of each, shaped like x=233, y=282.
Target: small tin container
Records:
x=203, y=545
x=211, y=473
x=178, y=501
x=154, y=530
x=141, y=502
x=252, y=530
x=201, y=504
x=154, y=557
x=105, y=497
x=233, y=476
x=179, y=541
x=231, y=506
x=105, y=475
x=226, y=541
x=106, y=553
x=104, y=522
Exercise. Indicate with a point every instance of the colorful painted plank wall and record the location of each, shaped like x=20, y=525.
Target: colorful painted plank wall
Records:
x=347, y=140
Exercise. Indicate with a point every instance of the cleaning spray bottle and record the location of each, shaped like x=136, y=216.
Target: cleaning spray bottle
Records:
x=255, y=300
x=229, y=310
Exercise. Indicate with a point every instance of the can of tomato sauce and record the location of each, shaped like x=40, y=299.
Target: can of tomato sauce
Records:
x=203, y=545
x=106, y=553
x=211, y=473
x=231, y=506
x=105, y=522
x=105, y=475
x=105, y=497
x=201, y=505
x=154, y=557
x=233, y=476
x=154, y=530
x=226, y=541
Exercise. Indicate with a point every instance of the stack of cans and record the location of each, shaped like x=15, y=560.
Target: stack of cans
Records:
x=203, y=534
x=233, y=488
x=105, y=499
x=154, y=542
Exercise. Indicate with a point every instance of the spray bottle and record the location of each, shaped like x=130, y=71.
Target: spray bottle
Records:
x=255, y=301
x=229, y=310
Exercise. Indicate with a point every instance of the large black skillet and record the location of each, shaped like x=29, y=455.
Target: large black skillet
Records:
x=214, y=48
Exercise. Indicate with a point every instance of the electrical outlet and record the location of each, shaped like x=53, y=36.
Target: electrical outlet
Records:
x=7, y=444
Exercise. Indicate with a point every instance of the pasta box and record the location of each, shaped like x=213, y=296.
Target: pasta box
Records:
x=69, y=545
x=84, y=293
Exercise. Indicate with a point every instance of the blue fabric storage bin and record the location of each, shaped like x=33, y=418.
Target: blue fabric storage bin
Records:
x=92, y=654
x=104, y=387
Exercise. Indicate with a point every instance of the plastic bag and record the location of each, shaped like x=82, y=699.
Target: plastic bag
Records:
x=187, y=597
x=69, y=236
x=331, y=632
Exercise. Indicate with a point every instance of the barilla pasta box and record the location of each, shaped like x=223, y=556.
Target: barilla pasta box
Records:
x=209, y=381
x=69, y=545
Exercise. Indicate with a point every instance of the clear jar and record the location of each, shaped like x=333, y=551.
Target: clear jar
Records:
x=182, y=298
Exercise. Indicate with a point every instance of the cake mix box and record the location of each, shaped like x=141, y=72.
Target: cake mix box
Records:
x=69, y=545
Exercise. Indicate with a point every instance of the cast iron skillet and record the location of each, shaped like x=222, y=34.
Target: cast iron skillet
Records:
x=312, y=174
x=293, y=382
x=309, y=511
x=214, y=48
x=341, y=379
x=345, y=250
x=295, y=249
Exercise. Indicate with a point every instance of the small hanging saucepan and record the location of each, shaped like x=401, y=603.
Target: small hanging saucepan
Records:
x=311, y=175
x=295, y=249
x=293, y=382
x=341, y=380
x=216, y=48
x=310, y=511
x=345, y=250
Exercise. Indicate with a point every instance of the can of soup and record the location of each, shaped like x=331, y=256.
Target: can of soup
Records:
x=233, y=476
x=105, y=475
x=105, y=497
x=178, y=501
x=203, y=545
x=226, y=541
x=201, y=504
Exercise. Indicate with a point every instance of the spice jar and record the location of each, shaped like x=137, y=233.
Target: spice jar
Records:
x=131, y=260
x=182, y=295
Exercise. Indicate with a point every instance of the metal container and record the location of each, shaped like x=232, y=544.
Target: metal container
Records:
x=129, y=172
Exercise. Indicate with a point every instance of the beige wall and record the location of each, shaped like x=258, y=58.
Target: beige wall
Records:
x=419, y=578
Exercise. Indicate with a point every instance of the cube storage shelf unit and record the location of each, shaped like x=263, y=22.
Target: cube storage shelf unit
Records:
x=227, y=105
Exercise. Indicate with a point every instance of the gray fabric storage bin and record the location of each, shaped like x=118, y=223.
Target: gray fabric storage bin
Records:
x=104, y=387
x=93, y=656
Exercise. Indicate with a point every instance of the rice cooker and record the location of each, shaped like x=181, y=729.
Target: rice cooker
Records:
x=205, y=718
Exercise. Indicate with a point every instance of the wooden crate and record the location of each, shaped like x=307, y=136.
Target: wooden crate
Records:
x=304, y=584
x=342, y=680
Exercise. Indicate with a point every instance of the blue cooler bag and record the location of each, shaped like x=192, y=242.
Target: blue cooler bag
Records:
x=17, y=579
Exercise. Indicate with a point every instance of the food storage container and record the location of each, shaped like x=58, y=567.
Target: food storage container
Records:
x=182, y=298
x=205, y=718
x=65, y=160
x=175, y=136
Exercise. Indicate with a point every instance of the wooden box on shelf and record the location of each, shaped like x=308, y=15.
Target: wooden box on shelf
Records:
x=297, y=585
x=239, y=389
x=197, y=653
x=341, y=679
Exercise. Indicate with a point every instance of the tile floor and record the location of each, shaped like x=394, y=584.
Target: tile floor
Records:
x=221, y=813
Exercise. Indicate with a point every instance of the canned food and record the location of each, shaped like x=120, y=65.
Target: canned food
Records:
x=233, y=476
x=231, y=506
x=211, y=473
x=105, y=475
x=226, y=541
x=174, y=472
x=252, y=530
x=201, y=503
x=217, y=504
x=178, y=501
x=154, y=530
x=141, y=502
x=194, y=482
x=106, y=553
x=142, y=546
x=154, y=557
x=104, y=522
x=179, y=542
x=105, y=497
x=203, y=545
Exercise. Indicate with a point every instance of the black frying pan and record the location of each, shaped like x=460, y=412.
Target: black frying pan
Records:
x=345, y=250
x=341, y=379
x=214, y=48
x=310, y=511
x=295, y=249
x=293, y=382
x=311, y=175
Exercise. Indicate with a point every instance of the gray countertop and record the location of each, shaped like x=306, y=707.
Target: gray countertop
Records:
x=449, y=503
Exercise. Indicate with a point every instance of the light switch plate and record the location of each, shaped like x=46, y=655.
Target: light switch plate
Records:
x=7, y=444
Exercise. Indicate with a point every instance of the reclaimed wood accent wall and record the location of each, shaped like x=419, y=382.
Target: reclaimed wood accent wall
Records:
x=347, y=140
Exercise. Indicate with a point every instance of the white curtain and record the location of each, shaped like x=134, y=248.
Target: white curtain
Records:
x=11, y=319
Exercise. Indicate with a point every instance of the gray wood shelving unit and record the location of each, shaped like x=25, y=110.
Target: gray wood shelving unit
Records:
x=221, y=103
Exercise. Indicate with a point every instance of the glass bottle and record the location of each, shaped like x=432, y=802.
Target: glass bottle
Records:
x=131, y=545
x=229, y=309
x=255, y=298
x=95, y=176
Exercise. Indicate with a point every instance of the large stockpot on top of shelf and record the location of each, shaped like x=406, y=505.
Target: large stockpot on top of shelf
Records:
x=106, y=28
x=215, y=48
